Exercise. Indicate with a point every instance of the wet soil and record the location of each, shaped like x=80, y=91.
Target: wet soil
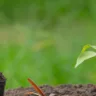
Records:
x=60, y=90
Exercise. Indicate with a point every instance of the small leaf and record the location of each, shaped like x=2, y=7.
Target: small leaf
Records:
x=84, y=56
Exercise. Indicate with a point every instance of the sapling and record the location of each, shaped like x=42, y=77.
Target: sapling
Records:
x=85, y=54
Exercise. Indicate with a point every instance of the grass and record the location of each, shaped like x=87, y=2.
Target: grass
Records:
x=46, y=57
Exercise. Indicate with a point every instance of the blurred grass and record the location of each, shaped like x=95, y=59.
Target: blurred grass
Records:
x=45, y=57
x=42, y=39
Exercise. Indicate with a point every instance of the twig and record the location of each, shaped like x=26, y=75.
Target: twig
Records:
x=36, y=87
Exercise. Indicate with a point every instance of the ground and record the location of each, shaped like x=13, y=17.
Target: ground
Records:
x=60, y=90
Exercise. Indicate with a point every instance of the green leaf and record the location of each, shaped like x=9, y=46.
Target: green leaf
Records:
x=84, y=55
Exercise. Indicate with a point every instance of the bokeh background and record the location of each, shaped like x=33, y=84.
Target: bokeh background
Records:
x=42, y=39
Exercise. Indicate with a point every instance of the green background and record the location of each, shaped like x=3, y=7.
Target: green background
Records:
x=42, y=39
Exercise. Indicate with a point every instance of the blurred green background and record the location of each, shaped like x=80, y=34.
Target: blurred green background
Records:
x=42, y=39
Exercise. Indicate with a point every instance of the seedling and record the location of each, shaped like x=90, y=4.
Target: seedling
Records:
x=39, y=91
x=84, y=55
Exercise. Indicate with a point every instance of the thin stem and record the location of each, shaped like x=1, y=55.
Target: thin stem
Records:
x=36, y=87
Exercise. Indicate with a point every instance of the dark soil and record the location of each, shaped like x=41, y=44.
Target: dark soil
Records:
x=2, y=84
x=61, y=90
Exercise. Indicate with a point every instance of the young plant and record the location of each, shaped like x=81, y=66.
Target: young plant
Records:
x=85, y=54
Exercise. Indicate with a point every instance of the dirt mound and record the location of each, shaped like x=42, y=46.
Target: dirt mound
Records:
x=61, y=90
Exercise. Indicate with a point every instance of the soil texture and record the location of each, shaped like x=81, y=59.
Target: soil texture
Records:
x=60, y=90
x=2, y=84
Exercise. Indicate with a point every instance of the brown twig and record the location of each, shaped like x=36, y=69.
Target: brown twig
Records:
x=36, y=87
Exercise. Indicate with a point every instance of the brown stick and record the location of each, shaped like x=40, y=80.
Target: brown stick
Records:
x=36, y=87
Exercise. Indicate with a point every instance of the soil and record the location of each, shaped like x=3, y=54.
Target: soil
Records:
x=61, y=90
x=2, y=84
